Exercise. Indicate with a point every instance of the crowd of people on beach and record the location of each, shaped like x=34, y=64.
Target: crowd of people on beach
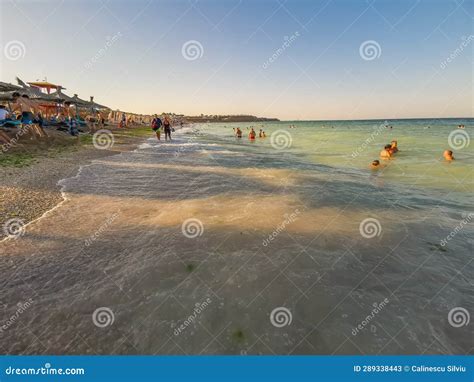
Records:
x=72, y=124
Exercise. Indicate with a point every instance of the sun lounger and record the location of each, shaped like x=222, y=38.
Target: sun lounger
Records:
x=10, y=123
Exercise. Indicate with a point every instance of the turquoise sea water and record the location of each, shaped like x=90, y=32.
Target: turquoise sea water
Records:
x=290, y=244
x=352, y=145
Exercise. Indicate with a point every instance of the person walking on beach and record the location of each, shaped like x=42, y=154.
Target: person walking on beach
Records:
x=156, y=126
x=167, y=128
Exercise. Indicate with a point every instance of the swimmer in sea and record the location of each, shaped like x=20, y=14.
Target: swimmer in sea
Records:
x=375, y=164
x=448, y=155
x=386, y=152
x=261, y=134
x=238, y=132
x=252, y=134
x=394, y=148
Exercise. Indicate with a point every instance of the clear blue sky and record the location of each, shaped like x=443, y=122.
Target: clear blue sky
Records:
x=319, y=75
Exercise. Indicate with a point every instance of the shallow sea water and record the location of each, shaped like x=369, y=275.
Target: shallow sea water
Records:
x=195, y=246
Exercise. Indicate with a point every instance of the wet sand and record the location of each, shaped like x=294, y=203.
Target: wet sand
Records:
x=28, y=192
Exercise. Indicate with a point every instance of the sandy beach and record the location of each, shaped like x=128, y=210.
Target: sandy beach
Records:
x=28, y=191
x=265, y=190
x=162, y=244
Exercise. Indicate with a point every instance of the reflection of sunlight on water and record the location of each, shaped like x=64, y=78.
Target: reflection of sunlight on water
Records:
x=267, y=175
x=260, y=214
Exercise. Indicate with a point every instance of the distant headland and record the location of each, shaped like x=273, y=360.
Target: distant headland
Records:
x=227, y=118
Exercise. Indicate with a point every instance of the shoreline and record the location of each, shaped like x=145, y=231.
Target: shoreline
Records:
x=32, y=190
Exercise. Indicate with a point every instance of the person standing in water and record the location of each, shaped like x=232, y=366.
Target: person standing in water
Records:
x=167, y=128
x=394, y=147
x=156, y=126
x=252, y=134
x=238, y=132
